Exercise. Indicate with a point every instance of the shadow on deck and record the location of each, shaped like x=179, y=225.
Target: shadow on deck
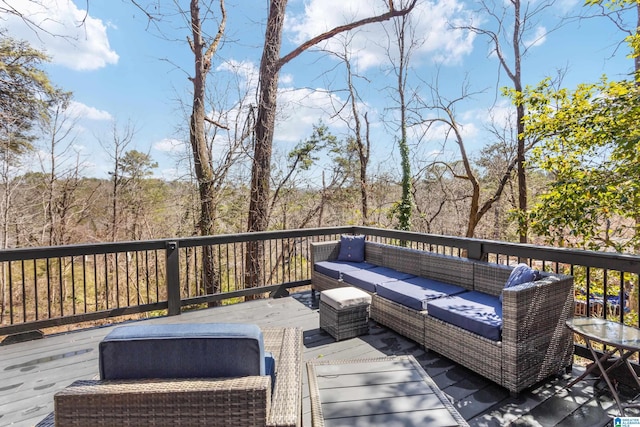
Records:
x=32, y=372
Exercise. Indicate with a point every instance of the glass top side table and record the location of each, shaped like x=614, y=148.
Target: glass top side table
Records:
x=619, y=338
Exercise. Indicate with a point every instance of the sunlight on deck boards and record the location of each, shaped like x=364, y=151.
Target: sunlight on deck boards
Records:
x=31, y=372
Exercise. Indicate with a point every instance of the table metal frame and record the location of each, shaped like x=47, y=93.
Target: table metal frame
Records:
x=610, y=334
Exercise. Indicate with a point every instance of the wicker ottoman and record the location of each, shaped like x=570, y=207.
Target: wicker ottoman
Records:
x=344, y=312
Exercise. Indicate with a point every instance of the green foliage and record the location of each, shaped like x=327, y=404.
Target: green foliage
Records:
x=591, y=150
x=26, y=93
x=404, y=208
x=306, y=153
x=323, y=144
x=136, y=165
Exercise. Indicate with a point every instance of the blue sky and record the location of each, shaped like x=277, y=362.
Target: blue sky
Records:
x=121, y=69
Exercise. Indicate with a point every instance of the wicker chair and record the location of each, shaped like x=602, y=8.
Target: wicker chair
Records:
x=246, y=401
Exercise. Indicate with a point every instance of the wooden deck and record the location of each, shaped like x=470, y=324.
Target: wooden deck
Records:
x=31, y=372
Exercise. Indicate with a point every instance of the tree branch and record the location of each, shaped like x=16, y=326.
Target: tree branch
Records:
x=337, y=30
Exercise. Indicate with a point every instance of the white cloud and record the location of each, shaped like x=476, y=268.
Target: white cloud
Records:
x=286, y=79
x=368, y=45
x=169, y=145
x=537, y=38
x=82, y=111
x=247, y=70
x=300, y=109
x=68, y=34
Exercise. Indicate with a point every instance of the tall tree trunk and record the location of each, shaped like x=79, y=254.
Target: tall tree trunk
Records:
x=364, y=148
x=517, y=83
x=270, y=65
x=363, y=145
x=201, y=154
x=406, y=205
x=258, y=219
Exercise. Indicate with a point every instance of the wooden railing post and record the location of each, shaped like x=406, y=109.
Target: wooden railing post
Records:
x=173, y=278
x=476, y=251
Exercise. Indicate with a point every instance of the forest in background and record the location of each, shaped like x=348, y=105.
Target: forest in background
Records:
x=561, y=169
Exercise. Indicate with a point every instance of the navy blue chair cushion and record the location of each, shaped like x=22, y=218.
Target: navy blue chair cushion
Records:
x=369, y=279
x=351, y=248
x=474, y=311
x=520, y=274
x=417, y=291
x=270, y=367
x=334, y=269
x=213, y=350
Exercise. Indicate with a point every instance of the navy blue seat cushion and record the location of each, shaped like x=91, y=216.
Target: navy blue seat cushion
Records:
x=417, y=291
x=334, y=269
x=474, y=311
x=206, y=350
x=370, y=278
x=520, y=274
x=351, y=248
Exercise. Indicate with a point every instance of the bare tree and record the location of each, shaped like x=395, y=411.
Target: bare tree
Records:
x=203, y=51
x=63, y=207
x=121, y=139
x=446, y=114
x=404, y=42
x=359, y=125
x=513, y=21
x=270, y=67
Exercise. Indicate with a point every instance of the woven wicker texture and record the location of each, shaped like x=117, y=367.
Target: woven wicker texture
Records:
x=477, y=353
x=164, y=403
x=373, y=253
x=344, y=323
x=448, y=269
x=402, y=259
x=321, y=282
x=246, y=401
x=535, y=342
x=490, y=278
x=324, y=251
x=402, y=319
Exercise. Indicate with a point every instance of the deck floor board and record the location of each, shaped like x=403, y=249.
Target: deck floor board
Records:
x=32, y=372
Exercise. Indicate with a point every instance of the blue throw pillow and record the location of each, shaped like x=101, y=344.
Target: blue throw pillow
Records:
x=521, y=273
x=351, y=248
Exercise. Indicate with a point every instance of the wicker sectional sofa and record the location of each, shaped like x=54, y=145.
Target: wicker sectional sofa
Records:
x=533, y=341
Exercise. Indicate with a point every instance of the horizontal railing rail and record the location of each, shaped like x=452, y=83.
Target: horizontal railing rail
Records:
x=49, y=287
x=54, y=286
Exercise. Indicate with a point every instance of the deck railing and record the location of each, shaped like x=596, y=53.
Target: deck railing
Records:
x=53, y=286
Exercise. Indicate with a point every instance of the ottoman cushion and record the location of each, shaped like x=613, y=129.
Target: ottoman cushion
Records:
x=341, y=298
x=214, y=350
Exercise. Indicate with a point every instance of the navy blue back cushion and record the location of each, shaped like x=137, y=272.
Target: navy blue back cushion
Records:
x=214, y=350
x=351, y=248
